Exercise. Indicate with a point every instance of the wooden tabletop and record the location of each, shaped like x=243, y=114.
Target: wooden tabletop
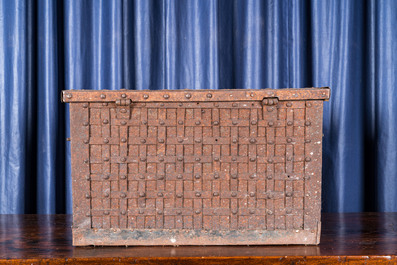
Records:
x=346, y=238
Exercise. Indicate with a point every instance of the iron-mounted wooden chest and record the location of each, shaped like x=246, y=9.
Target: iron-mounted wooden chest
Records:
x=196, y=167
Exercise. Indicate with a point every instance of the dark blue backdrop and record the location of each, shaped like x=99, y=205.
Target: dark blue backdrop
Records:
x=47, y=46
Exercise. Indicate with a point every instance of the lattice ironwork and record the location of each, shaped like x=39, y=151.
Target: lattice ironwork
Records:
x=243, y=165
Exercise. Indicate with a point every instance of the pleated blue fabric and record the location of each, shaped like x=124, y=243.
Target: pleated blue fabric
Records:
x=47, y=46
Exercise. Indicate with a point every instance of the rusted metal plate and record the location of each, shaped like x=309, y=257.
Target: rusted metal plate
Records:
x=196, y=167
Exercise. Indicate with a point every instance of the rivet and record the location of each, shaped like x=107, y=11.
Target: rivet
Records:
x=141, y=194
x=106, y=194
x=162, y=122
x=144, y=122
x=105, y=121
x=216, y=175
x=215, y=194
x=198, y=140
x=197, y=211
x=106, y=177
x=289, y=104
x=198, y=194
x=269, y=176
x=141, y=211
x=288, y=211
x=252, y=140
x=188, y=96
x=85, y=105
x=289, y=140
x=234, y=194
x=161, y=159
x=270, y=196
x=141, y=176
x=269, y=212
x=106, y=140
x=234, y=212
x=216, y=158
x=160, y=194
x=270, y=109
x=86, y=141
x=252, y=211
x=270, y=160
x=145, y=96
x=123, y=110
x=234, y=104
x=143, y=159
x=160, y=177
x=308, y=123
x=252, y=159
x=289, y=158
x=197, y=176
x=308, y=104
x=88, y=214
x=103, y=96
x=270, y=142
x=307, y=177
x=104, y=104
x=87, y=177
x=198, y=159
x=106, y=212
x=86, y=161
x=180, y=140
x=290, y=123
x=198, y=122
x=252, y=194
x=166, y=96
x=123, y=195
x=143, y=141
x=123, y=177
x=288, y=194
x=234, y=159
x=253, y=176
x=216, y=122
x=253, y=122
x=307, y=141
x=178, y=212
x=123, y=159
x=270, y=123
x=161, y=140
x=308, y=159
x=209, y=95
x=234, y=176
x=123, y=140
x=180, y=158
x=87, y=195
x=85, y=123
x=234, y=122
x=180, y=104
x=123, y=212
x=123, y=122
x=234, y=140
x=68, y=95
x=179, y=195
x=179, y=176
x=180, y=122
x=159, y=212
x=216, y=104
x=123, y=95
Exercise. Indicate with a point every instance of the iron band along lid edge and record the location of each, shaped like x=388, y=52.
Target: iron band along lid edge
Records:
x=207, y=95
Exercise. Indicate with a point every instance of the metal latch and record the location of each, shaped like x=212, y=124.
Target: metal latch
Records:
x=123, y=102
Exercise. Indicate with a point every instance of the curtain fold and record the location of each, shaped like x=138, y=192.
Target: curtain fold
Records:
x=47, y=46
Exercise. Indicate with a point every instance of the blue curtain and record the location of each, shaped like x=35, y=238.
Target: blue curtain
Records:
x=48, y=46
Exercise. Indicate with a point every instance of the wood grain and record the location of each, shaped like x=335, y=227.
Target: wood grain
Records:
x=353, y=238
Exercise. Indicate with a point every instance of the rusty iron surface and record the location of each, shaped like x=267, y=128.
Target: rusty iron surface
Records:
x=196, y=167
